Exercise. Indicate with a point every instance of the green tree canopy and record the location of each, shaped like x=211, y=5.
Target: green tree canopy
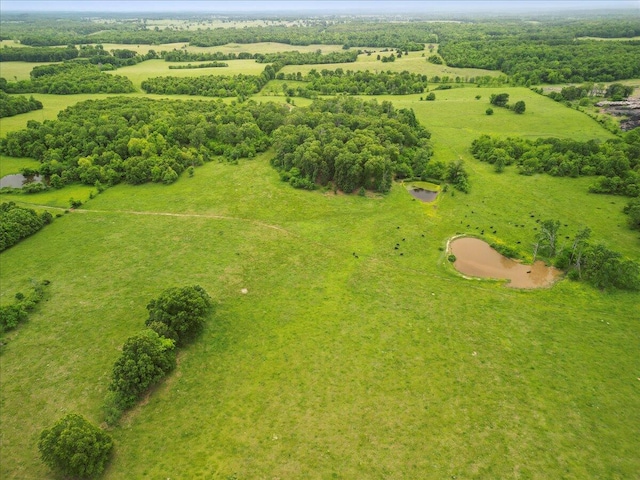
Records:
x=75, y=447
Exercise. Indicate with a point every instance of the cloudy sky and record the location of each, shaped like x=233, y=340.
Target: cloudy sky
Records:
x=315, y=6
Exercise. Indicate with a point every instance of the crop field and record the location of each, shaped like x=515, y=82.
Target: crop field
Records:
x=344, y=357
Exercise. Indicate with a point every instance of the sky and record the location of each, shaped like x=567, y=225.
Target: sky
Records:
x=314, y=6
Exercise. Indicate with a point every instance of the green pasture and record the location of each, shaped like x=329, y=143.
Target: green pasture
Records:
x=11, y=165
x=14, y=71
x=345, y=359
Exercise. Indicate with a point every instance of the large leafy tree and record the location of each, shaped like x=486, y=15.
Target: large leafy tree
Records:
x=146, y=358
x=179, y=312
x=75, y=447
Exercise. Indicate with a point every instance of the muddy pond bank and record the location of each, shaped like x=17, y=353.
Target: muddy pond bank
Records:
x=476, y=258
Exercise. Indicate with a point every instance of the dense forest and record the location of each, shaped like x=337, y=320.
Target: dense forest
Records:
x=348, y=141
x=69, y=78
x=11, y=105
x=352, y=143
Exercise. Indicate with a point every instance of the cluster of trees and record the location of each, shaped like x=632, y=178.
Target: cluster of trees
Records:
x=633, y=210
x=37, y=54
x=331, y=82
x=308, y=58
x=594, y=263
x=529, y=61
x=139, y=140
x=351, y=143
x=17, y=223
x=14, y=105
x=205, y=85
x=616, y=162
x=176, y=317
x=69, y=78
x=502, y=100
x=112, y=59
x=186, y=56
x=12, y=315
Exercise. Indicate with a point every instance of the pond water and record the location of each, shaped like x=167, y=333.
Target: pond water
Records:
x=18, y=180
x=423, y=191
x=422, y=194
x=477, y=259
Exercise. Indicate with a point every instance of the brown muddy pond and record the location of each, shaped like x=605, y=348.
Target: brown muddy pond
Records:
x=18, y=180
x=476, y=258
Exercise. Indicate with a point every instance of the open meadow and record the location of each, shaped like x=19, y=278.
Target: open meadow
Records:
x=345, y=358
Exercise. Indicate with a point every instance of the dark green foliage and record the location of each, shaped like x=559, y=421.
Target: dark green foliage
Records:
x=17, y=223
x=70, y=78
x=74, y=447
x=458, y=176
x=14, y=105
x=139, y=140
x=431, y=97
x=616, y=162
x=633, y=210
x=307, y=58
x=206, y=85
x=489, y=111
x=519, y=107
x=146, y=358
x=617, y=91
x=182, y=310
x=18, y=312
x=435, y=59
x=38, y=54
x=605, y=268
x=530, y=58
x=352, y=143
x=499, y=99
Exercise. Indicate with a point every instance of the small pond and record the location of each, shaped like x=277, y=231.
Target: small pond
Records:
x=423, y=191
x=18, y=180
x=476, y=258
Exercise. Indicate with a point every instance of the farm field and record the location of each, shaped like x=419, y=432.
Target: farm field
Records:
x=344, y=358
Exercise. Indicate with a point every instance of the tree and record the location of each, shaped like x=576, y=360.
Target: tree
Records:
x=548, y=236
x=499, y=100
x=519, y=107
x=146, y=358
x=489, y=111
x=633, y=210
x=182, y=310
x=75, y=447
x=431, y=96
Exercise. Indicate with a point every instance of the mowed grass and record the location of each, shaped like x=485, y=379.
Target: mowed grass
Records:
x=332, y=366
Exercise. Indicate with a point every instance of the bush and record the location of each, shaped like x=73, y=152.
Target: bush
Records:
x=75, y=447
x=182, y=310
x=452, y=258
x=519, y=107
x=489, y=111
x=431, y=97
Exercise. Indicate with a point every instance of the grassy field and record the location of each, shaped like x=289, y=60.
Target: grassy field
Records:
x=332, y=366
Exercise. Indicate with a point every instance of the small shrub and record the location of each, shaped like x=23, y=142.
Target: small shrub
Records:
x=451, y=258
x=489, y=111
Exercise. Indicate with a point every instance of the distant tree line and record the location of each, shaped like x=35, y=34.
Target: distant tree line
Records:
x=69, y=78
x=14, y=105
x=531, y=62
x=615, y=92
x=199, y=65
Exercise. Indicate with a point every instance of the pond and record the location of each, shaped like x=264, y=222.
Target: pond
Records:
x=18, y=180
x=476, y=258
x=423, y=191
